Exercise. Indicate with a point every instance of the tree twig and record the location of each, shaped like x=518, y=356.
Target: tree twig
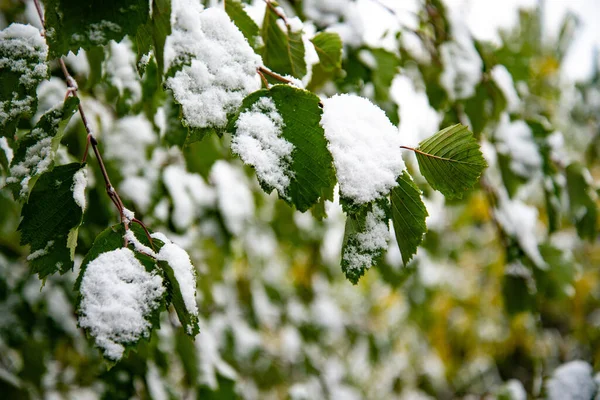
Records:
x=264, y=70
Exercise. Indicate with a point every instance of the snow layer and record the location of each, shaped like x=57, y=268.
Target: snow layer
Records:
x=515, y=140
x=78, y=188
x=219, y=65
x=118, y=296
x=572, y=380
x=365, y=147
x=370, y=242
x=120, y=68
x=20, y=46
x=258, y=142
x=504, y=80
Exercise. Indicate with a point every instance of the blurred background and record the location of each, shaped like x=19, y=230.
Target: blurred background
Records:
x=502, y=299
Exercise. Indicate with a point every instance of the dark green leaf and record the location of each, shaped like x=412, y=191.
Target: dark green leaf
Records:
x=235, y=10
x=582, y=201
x=154, y=33
x=329, y=49
x=451, y=160
x=555, y=281
x=310, y=168
x=365, y=238
x=74, y=24
x=23, y=59
x=37, y=149
x=408, y=216
x=283, y=52
x=51, y=219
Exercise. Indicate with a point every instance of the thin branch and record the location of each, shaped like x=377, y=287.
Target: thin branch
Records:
x=262, y=77
x=276, y=11
x=274, y=75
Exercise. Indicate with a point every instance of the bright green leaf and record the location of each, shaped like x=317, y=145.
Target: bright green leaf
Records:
x=451, y=160
x=23, y=54
x=235, y=10
x=36, y=151
x=582, y=203
x=283, y=52
x=74, y=24
x=51, y=218
x=365, y=238
x=408, y=216
x=298, y=163
x=329, y=48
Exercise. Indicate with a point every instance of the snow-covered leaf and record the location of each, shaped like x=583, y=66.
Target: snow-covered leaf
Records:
x=51, y=219
x=408, y=216
x=582, y=201
x=451, y=160
x=277, y=132
x=181, y=277
x=365, y=238
x=121, y=293
x=329, y=48
x=235, y=10
x=283, y=50
x=73, y=24
x=211, y=67
x=36, y=151
x=23, y=53
x=365, y=147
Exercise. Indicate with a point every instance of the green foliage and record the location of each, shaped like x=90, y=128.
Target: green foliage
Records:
x=52, y=235
x=329, y=48
x=408, y=216
x=311, y=169
x=235, y=10
x=72, y=25
x=451, y=160
x=582, y=203
x=283, y=51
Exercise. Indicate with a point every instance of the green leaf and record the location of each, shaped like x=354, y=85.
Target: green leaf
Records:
x=153, y=34
x=283, y=52
x=304, y=173
x=556, y=281
x=235, y=10
x=408, y=216
x=451, y=160
x=365, y=239
x=329, y=49
x=23, y=59
x=120, y=293
x=51, y=219
x=36, y=151
x=582, y=201
x=74, y=24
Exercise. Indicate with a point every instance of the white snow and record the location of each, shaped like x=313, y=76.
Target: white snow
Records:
x=504, y=80
x=118, y=296
x=127, y=142
x=220, y=66
x=258, y=142
x=515, y=140
x=121, y=71
x=8, y=151
x=365, y=147
x=521, y=221
x=185, y=274
x=572, y=380
x=78, y=188
x=373, y=239
x=23, y=51
x=234, y=198
x=190, y=195
x=41, y=252
x=462, y=64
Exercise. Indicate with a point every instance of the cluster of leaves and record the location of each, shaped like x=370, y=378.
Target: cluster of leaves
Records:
x=60, y=230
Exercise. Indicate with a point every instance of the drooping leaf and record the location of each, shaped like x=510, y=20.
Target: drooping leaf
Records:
x=23, y=53
x=120, y=293
x=408, y=216
x=235, y=10
x=329, y=49
x=51, y=219
x=451, y=160
x=582, y=201
x=73, y=24
x=365, y=238
x=153, y=34
x=36, y=151
x=278, y=132
x=283, y=51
